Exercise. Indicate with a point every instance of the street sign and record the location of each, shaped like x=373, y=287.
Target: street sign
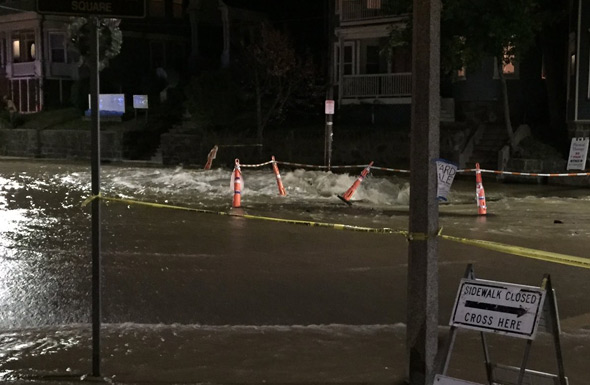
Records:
x=329, y=107
x=498, y=307
x=105, y=8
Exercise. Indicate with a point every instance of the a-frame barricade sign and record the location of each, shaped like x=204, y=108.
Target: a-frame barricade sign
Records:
x=510, y=310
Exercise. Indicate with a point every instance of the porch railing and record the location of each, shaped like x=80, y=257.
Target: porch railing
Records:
x=24, y=69
x=353, y=10
x=378, y=85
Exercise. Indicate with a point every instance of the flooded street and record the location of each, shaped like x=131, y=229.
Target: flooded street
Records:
x=204, y=297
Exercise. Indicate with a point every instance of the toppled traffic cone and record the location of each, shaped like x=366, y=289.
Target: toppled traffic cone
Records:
x=275, y=168
x=212, y=155
x=237, y=183
x=480, y=193
x=350, y=192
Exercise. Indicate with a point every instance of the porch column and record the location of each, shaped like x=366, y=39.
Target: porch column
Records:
x=193, y=12
x=226, y=33
x=340, y=59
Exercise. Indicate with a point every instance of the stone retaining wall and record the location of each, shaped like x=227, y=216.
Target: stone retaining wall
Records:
x=14, y=142
x=59, y=144
x=386, y=149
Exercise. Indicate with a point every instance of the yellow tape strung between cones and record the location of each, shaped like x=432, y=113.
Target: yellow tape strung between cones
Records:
x=495, y=246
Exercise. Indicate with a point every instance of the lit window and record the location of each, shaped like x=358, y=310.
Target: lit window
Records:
x=509, y=66
x=508, y=69
x=23, y=46
x=16, y=50
x=461, y=73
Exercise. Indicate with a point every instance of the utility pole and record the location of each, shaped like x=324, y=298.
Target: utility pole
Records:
x=422, y=321
x=95, y=170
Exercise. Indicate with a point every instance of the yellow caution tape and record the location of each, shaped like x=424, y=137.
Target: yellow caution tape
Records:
x=547, y=256
x=151, y=204
x=490, y=245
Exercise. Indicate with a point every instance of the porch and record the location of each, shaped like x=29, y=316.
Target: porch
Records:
x=364, y=10
x=393, y=88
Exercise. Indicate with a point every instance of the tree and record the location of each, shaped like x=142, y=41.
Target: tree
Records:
x=274, y=72
x=472, y=30
x=213, y=99
x=110, y=39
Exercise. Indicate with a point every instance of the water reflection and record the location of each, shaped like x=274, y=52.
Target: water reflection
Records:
x=40, y=237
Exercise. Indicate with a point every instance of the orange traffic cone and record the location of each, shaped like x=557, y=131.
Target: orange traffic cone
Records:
x=350, y=192
x=210, y=157
x=275, y=168
x=237, y=182
x=480, y=193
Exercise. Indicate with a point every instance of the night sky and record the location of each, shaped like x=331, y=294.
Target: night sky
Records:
x=304, y=19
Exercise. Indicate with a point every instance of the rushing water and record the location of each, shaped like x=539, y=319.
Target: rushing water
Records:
x=188, y=295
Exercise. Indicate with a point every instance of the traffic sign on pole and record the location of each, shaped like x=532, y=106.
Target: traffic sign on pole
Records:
x=104, y=8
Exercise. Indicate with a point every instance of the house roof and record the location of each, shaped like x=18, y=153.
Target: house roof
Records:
x=10, y=7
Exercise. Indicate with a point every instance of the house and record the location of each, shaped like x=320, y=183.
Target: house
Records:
x=578, y=74
x=366, y=70
x=361, y=73
x=38, y=68
x=33, y=55
x=368, y=76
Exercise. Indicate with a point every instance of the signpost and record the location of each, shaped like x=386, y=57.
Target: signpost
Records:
x=498, y=307
x=329, y=110
x=93, y=9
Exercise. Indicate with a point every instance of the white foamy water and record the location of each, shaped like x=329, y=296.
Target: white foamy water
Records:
x=192, y=298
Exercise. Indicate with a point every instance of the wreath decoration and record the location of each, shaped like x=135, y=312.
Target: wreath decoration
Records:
x=110, y=39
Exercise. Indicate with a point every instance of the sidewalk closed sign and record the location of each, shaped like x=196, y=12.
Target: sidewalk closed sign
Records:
x=444, y=380
x=578, y=153
x=499, y=307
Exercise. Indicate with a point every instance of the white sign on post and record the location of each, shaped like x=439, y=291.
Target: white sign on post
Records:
x=498, y=307
x=140, y=102
x=329, y=107
x=578, y=153
x=446, y=172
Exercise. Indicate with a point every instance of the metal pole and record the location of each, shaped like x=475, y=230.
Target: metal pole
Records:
x=95, y=170
x=328, y=136
x=422, y=321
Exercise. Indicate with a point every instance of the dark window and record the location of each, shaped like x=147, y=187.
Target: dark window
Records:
x=156, y=8
x=57, y=47
x=373, y=58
